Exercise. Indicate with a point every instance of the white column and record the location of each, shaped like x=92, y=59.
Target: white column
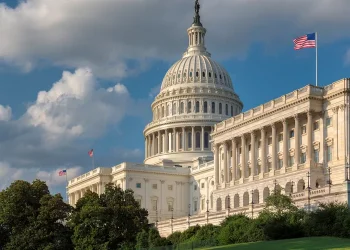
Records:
x=285, y=143
x=202, y=139
x=225, y=163
x=153, y=144
x=159, y=140
x=263, y=150
x=309, y=137
x=274, y=153
x=336, y=139
x=243, y=163
x=234, y=160
x=216, y=164
x=253, y=149
x=296, y=140
x=173, y=140
x=166, y=141
x=146, y=149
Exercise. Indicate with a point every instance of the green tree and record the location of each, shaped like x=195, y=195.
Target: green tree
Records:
x=31, y=218
x=109, y=221
x=279, y=203
x=142, y=239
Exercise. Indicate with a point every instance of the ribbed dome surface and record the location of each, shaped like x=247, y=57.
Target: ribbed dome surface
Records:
x=197, y=69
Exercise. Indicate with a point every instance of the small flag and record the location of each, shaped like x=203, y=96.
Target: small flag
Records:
x=62, y=172
x=305, y=41
x=91, y=153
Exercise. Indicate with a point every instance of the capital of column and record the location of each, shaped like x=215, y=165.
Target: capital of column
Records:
x=273, y=125
x=284, y=121
x=162, y=181
x=262, y=129
x=309, y=112
x=252, y=134
x=146, y=180
x=296, y=117
x=177, y=182
x=342, y=107
x=335, y=110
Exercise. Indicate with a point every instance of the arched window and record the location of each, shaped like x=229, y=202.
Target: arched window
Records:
x=180, y=142
x=197, y=74
x=220, y=108
x=159, y=113
x=226, y=109
x=162, y=111
x=203, y=74
x=231, y=110
x=189, y=139
x=189, y=107
x=197, y=106
x=216, y=75
x=182, y=107
x=213, y=107
x=198, y=139
x=205, y=107
x=174, y=108
x=209, y=74
x=206, y=140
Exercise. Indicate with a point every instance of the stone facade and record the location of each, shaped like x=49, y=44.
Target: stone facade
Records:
x=205, y=159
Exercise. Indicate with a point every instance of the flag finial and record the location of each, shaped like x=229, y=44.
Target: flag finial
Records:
x=197, y=18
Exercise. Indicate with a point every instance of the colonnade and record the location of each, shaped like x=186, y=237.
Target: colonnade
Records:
x=177, y=139
x=246, y=159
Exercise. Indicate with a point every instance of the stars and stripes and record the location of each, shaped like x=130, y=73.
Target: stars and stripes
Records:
x=305, y=41
x=62, y=172
x=91, y=153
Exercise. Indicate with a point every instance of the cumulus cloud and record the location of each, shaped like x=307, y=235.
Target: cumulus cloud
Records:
x=58, y=127
x=5, y=113
x=111, y=35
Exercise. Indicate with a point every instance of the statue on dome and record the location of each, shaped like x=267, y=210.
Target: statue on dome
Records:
x=197, y=7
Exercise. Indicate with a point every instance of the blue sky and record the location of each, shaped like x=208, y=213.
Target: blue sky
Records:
x=117, y=52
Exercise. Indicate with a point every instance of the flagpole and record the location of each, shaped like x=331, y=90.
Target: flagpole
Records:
x=67, y=186
x=316, y=56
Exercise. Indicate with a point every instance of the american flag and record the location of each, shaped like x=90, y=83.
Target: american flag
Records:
x=62, y=172
x=91, y=153
x=305, y=41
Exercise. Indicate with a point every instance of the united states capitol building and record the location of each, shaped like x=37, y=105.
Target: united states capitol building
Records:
x=205, y=159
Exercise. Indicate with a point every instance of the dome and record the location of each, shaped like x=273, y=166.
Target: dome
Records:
x=196, y=70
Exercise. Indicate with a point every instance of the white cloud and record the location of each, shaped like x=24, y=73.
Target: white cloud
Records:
x=105, y=35
x=5, y=113
x=76, y=107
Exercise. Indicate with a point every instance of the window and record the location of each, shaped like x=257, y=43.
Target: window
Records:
x=195, y=206
x=203, y=74
x=184, y=74
x=329, y=153
x=163, y=111
x=280, y=163
x=174, y=108
x=231, y=110
x=202, y=185
x=182, y=107
x=168, y=110
x=280, y=137
x=220, y=77
x=138, y=185
x=154, y=186
x=197, y=106
x=303, y=129
x=198, y=139
x=290, y=161
x=316, y=156
x=154, y=205
x=138, y=201
x=269, y=165
x=205, y=107
x=291, y=134
x=191, y=74
x=203, y=204
x=170, y=187
x=195, y=187
x=220, y=108
x=189, y=107
x=209, y=74
x=303, y=158
x=216, y=75
x=197, y=74
x=213, y=107
x=226, y=109
x=206, y=140
x=328, y=121
x=189, y=139
x=170, y=206
x=316, y=125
